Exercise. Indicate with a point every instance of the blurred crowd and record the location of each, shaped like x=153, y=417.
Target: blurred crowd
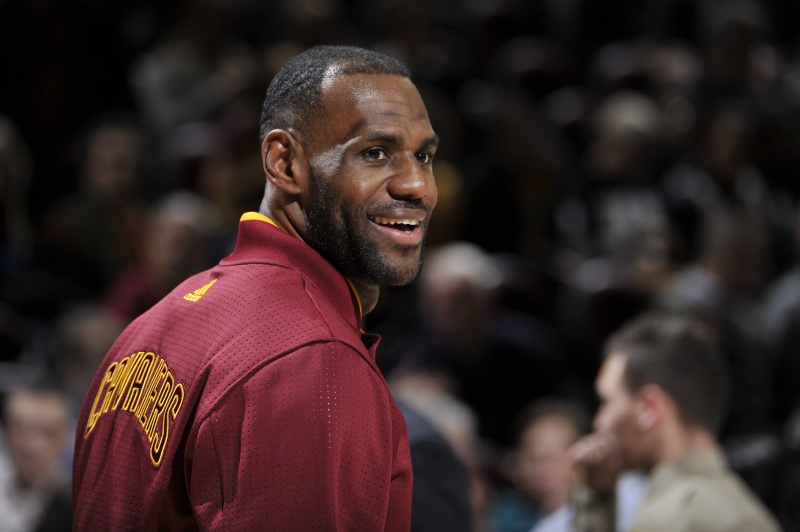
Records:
x=598, y=159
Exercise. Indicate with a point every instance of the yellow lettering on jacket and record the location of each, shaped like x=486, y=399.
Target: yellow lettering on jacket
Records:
x=150, y=394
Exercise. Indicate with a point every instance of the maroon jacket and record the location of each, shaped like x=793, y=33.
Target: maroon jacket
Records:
x=247, y=399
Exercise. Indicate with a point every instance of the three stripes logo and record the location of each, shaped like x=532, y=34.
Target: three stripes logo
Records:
x=197, y=294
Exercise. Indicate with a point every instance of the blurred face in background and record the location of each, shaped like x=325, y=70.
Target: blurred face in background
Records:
x=173, y=251
x=459, y=291
x=36, y=431
x=113, y=164
x=544, y=468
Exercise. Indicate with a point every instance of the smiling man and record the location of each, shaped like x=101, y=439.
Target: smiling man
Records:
x=249, y=398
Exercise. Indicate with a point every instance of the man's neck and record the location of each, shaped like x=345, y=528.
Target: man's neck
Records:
x=367, y=294
x=680, y=440
x=280, y=218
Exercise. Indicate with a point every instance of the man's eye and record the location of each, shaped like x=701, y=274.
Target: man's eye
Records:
x=375, y=154
x=424, y=157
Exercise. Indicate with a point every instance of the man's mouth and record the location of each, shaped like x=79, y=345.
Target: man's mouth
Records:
x=401, y=224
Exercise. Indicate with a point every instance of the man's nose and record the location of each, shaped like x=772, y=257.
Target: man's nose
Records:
x=412, y=180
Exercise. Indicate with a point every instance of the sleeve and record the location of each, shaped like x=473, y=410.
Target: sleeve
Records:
x=593, y=512
x=303, y=444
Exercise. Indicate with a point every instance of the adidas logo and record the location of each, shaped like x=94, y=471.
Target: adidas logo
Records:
x=197, y=294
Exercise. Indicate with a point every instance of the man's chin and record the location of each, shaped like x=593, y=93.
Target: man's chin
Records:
x=404, y=281
x=408, y=274
x=391, y=274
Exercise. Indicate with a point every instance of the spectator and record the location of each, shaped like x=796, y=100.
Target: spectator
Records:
x=198, y=67
x=543, y=470
x=35, y=486
x=442, y=497
x=86, y=238
x=175, y=245
x=493, y=359
x=724, y=284
x=662, y=390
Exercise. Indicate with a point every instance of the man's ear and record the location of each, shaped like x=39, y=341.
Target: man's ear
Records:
x=652, y=405
x=282, y=157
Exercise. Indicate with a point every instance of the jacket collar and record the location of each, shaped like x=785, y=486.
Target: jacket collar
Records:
x=261, y=241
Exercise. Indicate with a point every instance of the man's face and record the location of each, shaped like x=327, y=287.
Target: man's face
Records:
x=36, y=433
x=617, y=415
x=371, y=190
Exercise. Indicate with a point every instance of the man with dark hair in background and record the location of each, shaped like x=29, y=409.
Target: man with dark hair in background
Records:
x=249, y=398
x=34, y=482
x=663, y=390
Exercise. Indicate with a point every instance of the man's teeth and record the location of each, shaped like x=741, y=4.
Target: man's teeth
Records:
x=388, y=221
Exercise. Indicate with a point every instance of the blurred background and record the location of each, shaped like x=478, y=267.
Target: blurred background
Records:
x=598, y=159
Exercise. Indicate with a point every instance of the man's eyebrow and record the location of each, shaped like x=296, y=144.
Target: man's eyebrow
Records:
x=382, y=137
x=431, y=141
x=389, y=138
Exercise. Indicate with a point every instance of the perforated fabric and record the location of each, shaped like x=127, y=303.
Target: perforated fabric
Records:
x=246, y=400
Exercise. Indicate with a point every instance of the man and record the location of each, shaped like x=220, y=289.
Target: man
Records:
x=474, y=344
x=662, y=394
x=249, y=398
x=34, y=484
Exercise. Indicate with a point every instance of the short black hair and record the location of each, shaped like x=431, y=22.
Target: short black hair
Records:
x=296, y=90
x=680, y=354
